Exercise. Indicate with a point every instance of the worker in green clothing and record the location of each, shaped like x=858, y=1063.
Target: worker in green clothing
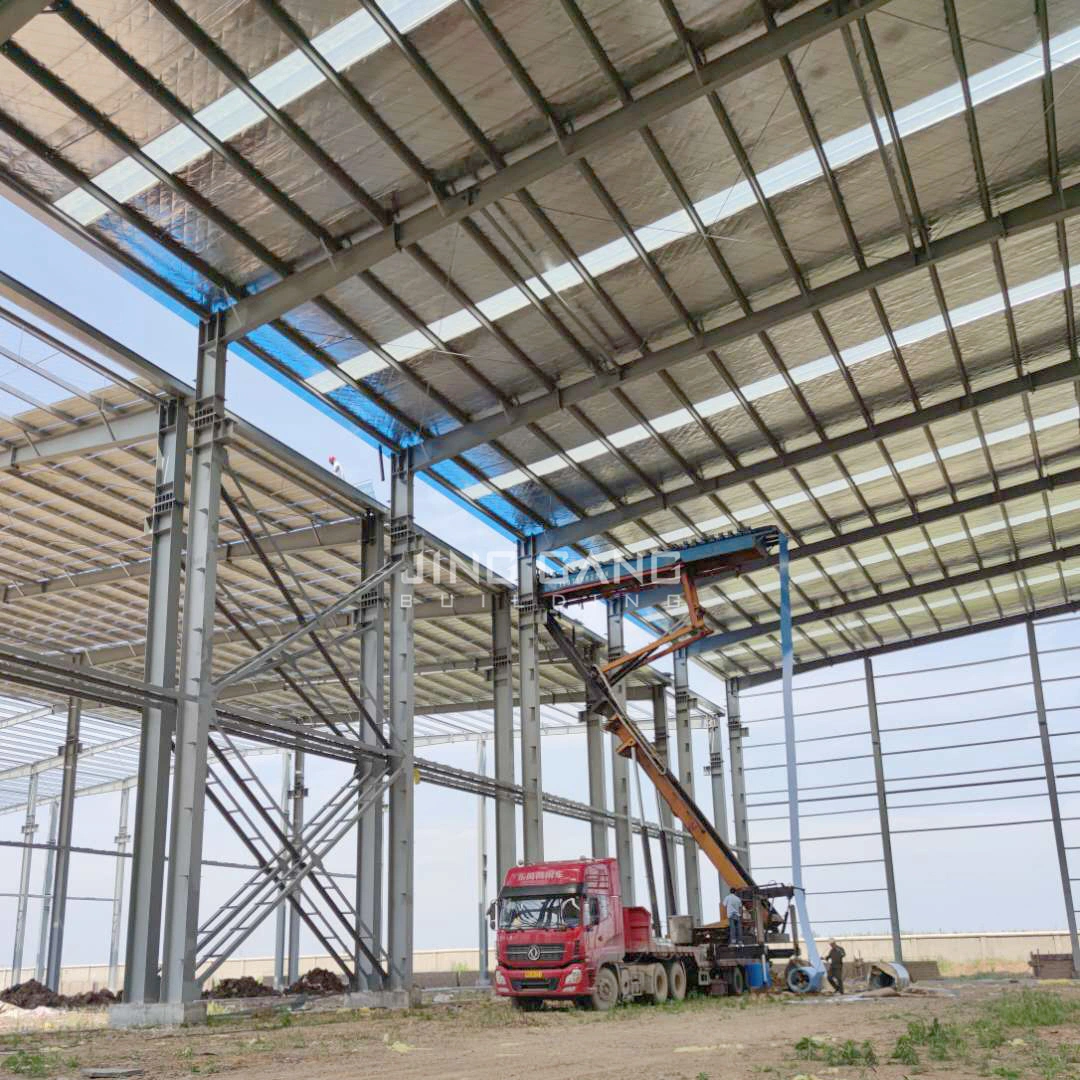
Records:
x=835, y=959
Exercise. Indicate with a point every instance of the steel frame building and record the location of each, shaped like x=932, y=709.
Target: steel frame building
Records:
x=561, y=260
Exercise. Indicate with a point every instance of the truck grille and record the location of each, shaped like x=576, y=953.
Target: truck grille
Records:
x=534, y=984
x=520, y=953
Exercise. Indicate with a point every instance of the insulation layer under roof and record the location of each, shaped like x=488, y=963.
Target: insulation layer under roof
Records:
x=626, y=274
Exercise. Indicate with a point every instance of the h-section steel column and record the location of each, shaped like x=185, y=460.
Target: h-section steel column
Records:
x=482, y=978
x=738, y=777
x=684, y=746
x=28, y=830
x=70, y=751
x=122, y=837
x=620, y=766
x=46, y=895
x=196, y=701
x=594, y=749
x=281, y=915
x=529, y=692
x=1052, y=792
x=883, y=809
x=667, y=820
x=715, y=769
x=400, y=871
x=369, y=854
x=502, y=685
x=299, y=791
x=166, y=525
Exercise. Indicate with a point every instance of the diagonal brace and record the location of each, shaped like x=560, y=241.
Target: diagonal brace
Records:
x=266, y=657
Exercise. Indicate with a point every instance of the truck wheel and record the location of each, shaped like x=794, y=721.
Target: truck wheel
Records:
x=528, y=1004
x=660, y=985
x=736, y=981
x=605, y=993
x=676, y=974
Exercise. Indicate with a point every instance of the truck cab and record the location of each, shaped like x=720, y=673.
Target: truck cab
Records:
x=558, y=923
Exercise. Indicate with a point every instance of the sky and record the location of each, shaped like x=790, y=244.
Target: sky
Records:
x=952, y=880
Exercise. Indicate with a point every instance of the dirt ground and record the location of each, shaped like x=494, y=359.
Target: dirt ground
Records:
x=997, y=1029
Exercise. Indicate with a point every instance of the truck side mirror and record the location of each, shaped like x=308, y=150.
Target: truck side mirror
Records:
x=594, y=911
x=491, y=915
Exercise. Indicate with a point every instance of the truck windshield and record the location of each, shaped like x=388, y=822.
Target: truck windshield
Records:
x=540, y=913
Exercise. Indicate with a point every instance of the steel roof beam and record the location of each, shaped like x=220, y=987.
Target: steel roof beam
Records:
x=15, y=14
x=998, y=496
x=426, y=609
x=759, y=678
x=851, y=607
x=1020, y=219
x=1066, y=371
x=83, y=441
x=558, y=697
x=271, y=303
x=35, y=768
x=323, y=536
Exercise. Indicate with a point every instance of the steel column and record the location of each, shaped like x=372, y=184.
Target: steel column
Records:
x=196, y=703
x=1052, y=792
x=400, y=871
x=787, y=653
x=666, y=818
x=715, y=769
x=482, y=979
x=166, y=524
x=620, y=766
x=369, y=855
x=28, y=830
x=736, y=731
x=63, y=847
x=529, y=690
x=46, y=895
x=280, y=914
x=122, y=837
x=594, y=749
x=502, y=680
x=299, y=791
x=883, y=809
x=684, y=746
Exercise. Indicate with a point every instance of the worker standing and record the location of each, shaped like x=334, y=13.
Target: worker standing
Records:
x=835, y=959
x=733, y=905
x=335, y=467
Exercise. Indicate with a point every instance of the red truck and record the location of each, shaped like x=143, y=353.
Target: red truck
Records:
x=564, y=935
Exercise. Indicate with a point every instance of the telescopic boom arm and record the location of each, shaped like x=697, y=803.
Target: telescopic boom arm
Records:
x=654, y=578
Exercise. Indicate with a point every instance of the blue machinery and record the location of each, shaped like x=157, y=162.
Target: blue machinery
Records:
x=653, y=580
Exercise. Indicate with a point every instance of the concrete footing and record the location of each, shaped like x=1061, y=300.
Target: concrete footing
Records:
x=381, y=999
x=157, y=1014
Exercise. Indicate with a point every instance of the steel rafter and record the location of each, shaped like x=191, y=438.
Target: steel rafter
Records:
x=1013, y=222
x=761, y=678
x=952, y=581
x=363, y=254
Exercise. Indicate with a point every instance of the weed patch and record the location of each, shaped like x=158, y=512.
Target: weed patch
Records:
x=25, y=1063
x=849, y=1052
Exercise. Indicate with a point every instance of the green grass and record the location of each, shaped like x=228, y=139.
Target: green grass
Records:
x=1031, y=1009
x=943, y=1042
x=849, y=1052
x=905, y=1052
x=25, y=1063
x=1055, y=1063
